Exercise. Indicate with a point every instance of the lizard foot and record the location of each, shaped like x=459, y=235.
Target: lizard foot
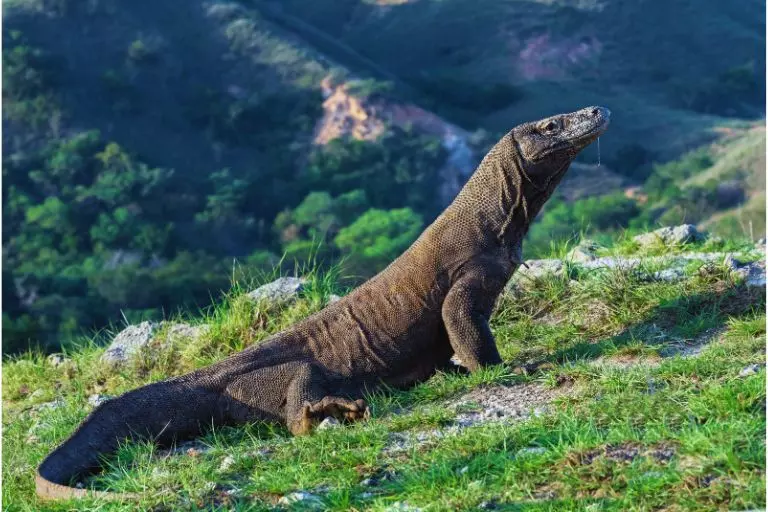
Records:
x=340, y=408
x=343, y=409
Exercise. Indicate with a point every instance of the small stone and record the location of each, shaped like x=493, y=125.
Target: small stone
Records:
x=226, y=463
x=281, y=290
x=669, y=275
x=307, y=500
x=36, y=394
x=333, y=298
x=56, y=360
x=487, y=505
x=585, y=251
x=749, y=370
x=79, y=485
x=193, y=452
x=96, y=400
x=160, y=473
x=464, y=470
x=366, y=495
x=677, y=235
x=262, y=452
x=129, y=342
x=32, y=438
x=401, y=506
x=531, y=450
x=328, y=423
x=49, y=406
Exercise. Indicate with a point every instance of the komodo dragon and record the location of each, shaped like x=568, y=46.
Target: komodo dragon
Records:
x=398, y=328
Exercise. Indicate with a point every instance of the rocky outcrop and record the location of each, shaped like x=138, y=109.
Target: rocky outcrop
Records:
x=281, y=290
x=148, y=338
x=351, y=115
x=128, y=343
x=677, y=235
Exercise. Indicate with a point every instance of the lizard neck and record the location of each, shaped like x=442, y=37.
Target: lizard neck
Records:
x=499, y=198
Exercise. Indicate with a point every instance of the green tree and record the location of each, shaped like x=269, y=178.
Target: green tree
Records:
x=377, y=237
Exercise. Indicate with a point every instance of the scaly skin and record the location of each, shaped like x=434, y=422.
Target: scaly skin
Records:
x=398, y=328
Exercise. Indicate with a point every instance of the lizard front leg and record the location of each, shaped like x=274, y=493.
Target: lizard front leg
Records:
x=465, y=312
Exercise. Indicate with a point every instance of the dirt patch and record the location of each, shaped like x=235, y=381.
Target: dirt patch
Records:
x=504, y=403
x=692, y=347
x=491, y=404
x=624, y=453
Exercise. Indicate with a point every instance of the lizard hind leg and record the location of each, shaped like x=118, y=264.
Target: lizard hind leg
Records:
x=308, y=402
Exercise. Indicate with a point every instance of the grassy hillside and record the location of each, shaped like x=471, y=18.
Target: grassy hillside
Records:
x=628, y=393
x=153, y=152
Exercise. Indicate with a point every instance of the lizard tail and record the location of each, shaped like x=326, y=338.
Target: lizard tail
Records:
x=163, y=412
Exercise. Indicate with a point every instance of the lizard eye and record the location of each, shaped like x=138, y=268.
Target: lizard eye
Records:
x=551, y=126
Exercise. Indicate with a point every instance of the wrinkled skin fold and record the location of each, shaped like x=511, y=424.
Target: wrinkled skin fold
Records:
x=398, y=328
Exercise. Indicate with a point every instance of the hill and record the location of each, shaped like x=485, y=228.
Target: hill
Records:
x=639, y=383
x=154, y=154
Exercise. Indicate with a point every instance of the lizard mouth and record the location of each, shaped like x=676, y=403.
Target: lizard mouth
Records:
x=595, y=123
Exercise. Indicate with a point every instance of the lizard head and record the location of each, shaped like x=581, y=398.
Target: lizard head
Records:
x=547, y=147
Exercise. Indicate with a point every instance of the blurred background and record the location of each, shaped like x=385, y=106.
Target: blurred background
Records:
x=156, y=151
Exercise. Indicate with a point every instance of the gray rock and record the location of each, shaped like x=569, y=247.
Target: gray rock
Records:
x=284, y=289
x=585, y=251
x=333, y=298
x=183, y=332
x=96, y=400
x=49, y=406
x=669, y=275
x=531, y=450
x=753, y=274
x=539, y=268
x=129, y=342
x=305, y=499
x=226, y=463
x=56, y=360
x=401, y=506
x=750, y=370
x=677, y=235
x=328, y=423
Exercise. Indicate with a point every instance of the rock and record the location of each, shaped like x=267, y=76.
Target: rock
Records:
x=333, y=298
x=183, y=331
x=669, y=275
x=305, y=499
x=750, y=370
x=56, y=360
x=284, y=289
x=226, y=463
x=401, y=506
x=96, y=400
x=36, y=394
x=538, y=268
x=328, y=423
x=129, y=342
x=585, y=251
x=677, y=235
x=753, y=274
x=531, y=450
x=49, y=406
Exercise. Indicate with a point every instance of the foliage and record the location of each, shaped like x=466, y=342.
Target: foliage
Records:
x=377, y=237
x=562, y=221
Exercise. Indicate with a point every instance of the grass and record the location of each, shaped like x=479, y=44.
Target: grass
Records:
x=673, y=433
